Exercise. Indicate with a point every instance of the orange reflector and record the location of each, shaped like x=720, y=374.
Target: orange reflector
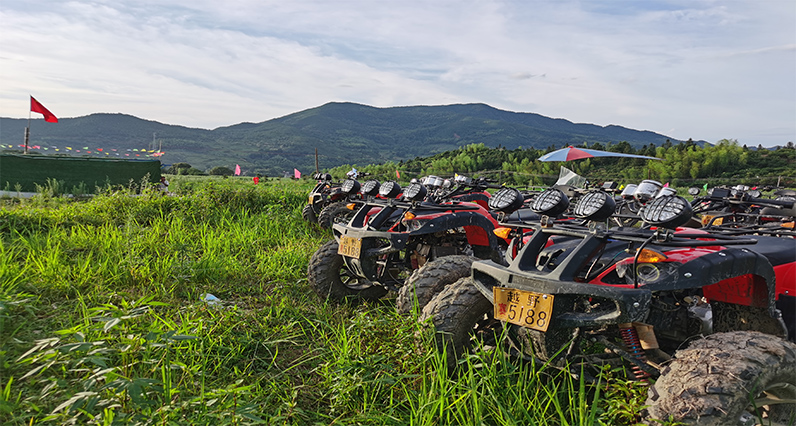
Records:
x=409, y=215
x=651, y=256
x=788, y=225
x=351, y=206
x=502, y=232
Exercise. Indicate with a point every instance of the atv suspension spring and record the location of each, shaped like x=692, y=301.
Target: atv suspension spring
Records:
x=630, y=337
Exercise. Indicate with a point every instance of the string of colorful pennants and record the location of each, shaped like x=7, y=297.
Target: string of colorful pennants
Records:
x=96, y=151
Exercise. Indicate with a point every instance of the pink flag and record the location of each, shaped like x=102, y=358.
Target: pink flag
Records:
x=296, y=174
x=237, y=169
x=666, y=185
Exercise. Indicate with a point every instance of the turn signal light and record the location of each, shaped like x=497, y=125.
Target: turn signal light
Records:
x=651, y=256
x=502, y=232
x=351, y=206
x=409, y=215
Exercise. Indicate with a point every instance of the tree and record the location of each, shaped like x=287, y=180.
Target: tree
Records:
x=220, y=171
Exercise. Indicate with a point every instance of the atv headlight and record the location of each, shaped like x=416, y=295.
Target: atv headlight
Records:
x=505, y=200
x=415, y=224
x=670, y=211
x=415, y=192
x=666, y=191
x=646, y=190
x=433, y=181
x=371, y=187
x=551, y=203
x=648, y=273
x=350, y=186
x=596, y=205
x=627, y=193
x=390, y=189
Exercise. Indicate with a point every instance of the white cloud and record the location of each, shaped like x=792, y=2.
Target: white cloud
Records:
x=710, y=70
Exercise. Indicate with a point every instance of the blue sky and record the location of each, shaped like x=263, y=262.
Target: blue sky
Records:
x=705, y=70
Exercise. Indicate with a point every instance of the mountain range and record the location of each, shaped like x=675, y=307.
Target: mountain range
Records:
x=342, y=133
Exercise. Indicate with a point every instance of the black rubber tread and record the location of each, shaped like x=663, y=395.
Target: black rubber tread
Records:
x=430, y=279
x=329, y=213
x=711, y=382
x=454, y=313
x=309, y=214
x=326, y=272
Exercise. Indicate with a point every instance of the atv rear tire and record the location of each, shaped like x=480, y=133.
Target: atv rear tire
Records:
x=462, y=317
x=721, y=379
x=429, y=280
x=334, y=213
x=329, y=277
x=309, y=214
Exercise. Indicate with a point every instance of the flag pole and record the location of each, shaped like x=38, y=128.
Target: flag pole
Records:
x=27, y=132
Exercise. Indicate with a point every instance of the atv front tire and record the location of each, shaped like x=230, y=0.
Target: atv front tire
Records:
x=329, y=277
x=733, y=378
x=334, y=213
x=461, y=317
x=429, y=280
x=309, y=214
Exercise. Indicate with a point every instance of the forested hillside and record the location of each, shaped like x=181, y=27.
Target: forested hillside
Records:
x=341, y=133
x=681, y=164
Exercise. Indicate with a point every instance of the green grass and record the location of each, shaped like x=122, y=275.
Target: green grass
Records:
x=102, y=321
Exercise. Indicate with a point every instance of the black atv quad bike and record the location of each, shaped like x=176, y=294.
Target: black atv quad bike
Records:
x=710, y=315
x=388, y=238
x=325, y=193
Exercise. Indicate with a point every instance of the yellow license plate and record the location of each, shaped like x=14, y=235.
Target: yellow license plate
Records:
x=525, y=308
x=707, y=218
x=349, y=246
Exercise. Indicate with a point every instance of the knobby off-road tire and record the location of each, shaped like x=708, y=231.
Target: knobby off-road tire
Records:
x=461, y=316
x=334, y=213
x=329, y=277
x=309, y=214
x=429, y=280
x=714, y=381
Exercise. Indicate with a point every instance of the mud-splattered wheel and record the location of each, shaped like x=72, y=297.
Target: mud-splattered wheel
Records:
x=309, y=214
x=462, y=318
x=335, y=213
x=734, y=378
x=329, y=277
x=429, y=280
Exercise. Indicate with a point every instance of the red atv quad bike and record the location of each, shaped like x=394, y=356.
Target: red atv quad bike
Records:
x=376, y=252
x=709, y=314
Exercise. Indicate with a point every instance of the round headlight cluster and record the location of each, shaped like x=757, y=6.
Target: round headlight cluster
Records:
x=596, y=205
x=390, y=189
x=627, y=193
x=350, y=186
x=693, y=190
x=463, y=180
x=415, y=192
x=371, y=187
x=666, y=191
x=646, y=190
x=433, y=181
x=669, y=211
x=506, y=200
x=552, y=203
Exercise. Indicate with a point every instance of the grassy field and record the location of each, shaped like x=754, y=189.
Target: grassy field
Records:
x=104, y=319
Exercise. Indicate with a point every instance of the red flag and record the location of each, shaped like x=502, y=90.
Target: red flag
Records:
x=397, y=174
x=35, y=106
x=296, y=174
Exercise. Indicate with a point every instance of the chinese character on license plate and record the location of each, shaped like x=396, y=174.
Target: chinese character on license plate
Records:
x=525, y=308
x=349, y=247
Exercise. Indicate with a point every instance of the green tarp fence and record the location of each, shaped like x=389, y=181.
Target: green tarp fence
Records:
x=24, y=172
